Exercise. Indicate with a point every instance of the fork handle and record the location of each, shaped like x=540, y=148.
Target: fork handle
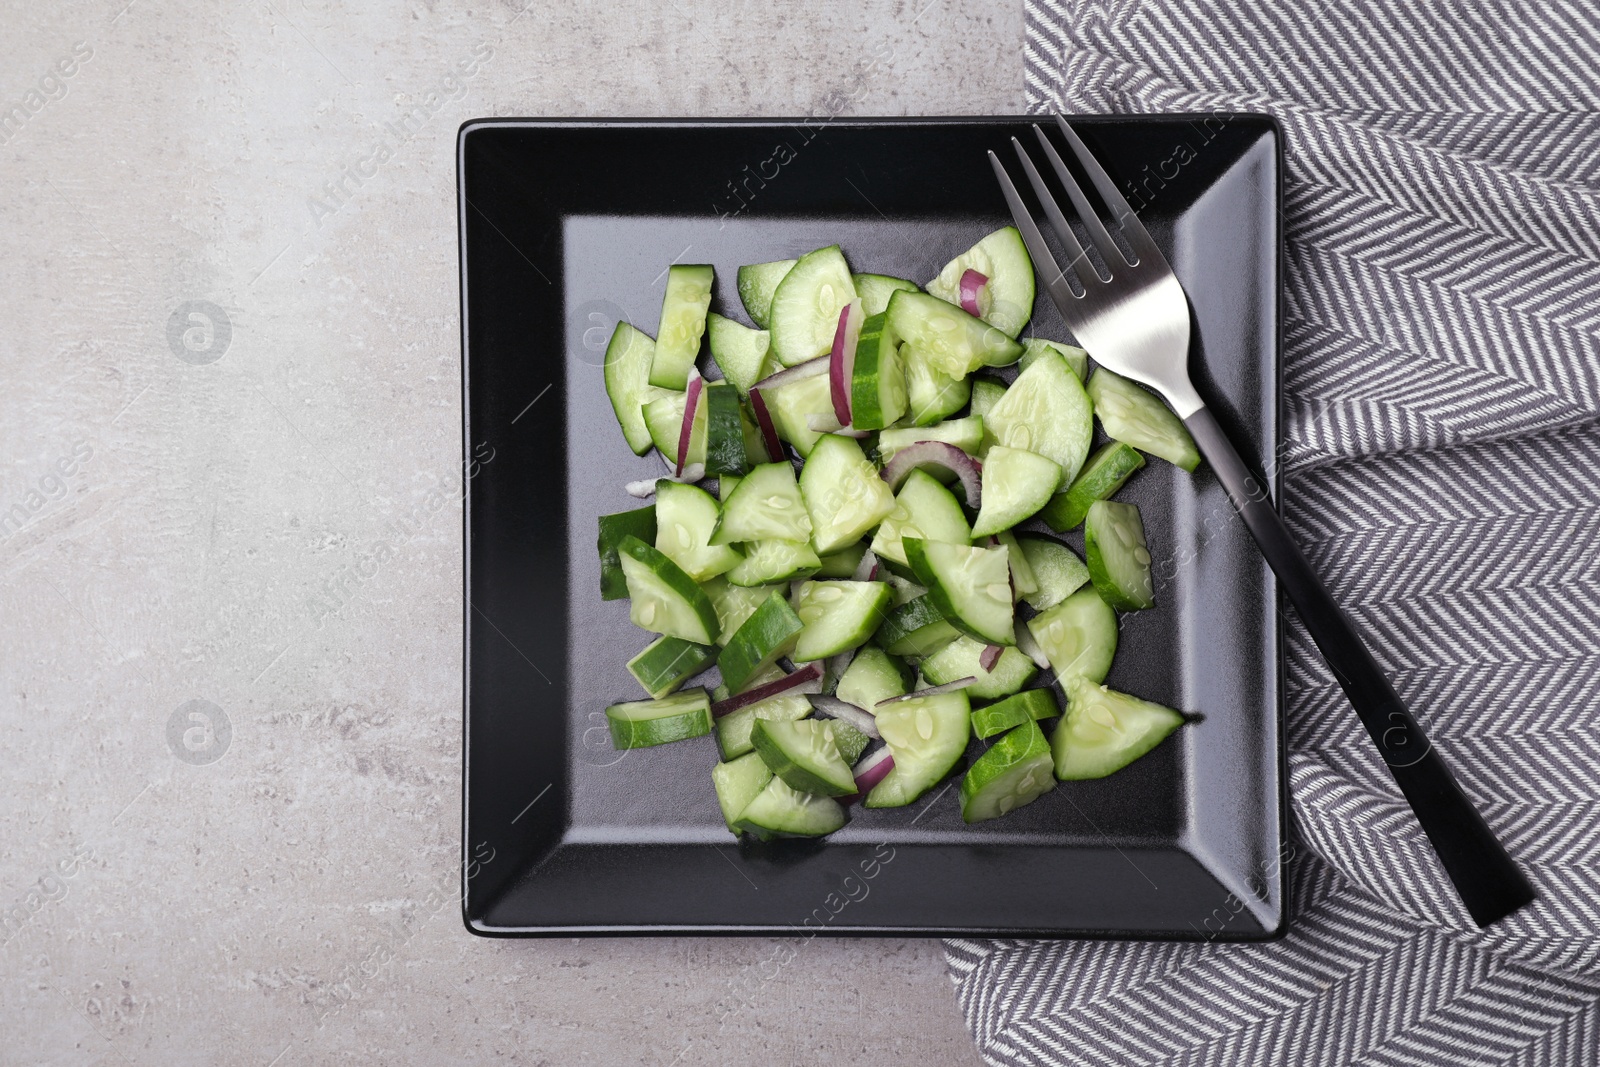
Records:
x=1484, y=875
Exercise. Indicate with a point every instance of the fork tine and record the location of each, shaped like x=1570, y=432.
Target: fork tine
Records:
x=1055, y=280
x=1138, y=237
x=1080, y=259
x=1080, y=203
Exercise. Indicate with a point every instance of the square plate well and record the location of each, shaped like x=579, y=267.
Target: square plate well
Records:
x=567, y=226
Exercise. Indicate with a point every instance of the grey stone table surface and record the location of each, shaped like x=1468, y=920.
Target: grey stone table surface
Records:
x=231, y=734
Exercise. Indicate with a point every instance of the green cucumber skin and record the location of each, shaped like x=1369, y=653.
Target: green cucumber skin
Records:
x=915, y=628
x=640, y=523
x=922, y=566
x=674, y=577
x=629, y=357
x=862, y=609
x=878, y=383
x=843, y=563
x=733, y=729
x=737, y=783
x=768, y=737
x=1022, y=756
x=931, y=394
x=689, y=716
x=757, y=283
x=850, y=741
x=1103, y=474
x=1120, y=577
x=785, y=812
x=1141, y=726
x=725, y=453
x=668, y=662
x=1031, y=480
x=766, y=635
x=959, y=659
x=1122, y=404
x=986, y=392
x=1013, y=711
x=683, y=323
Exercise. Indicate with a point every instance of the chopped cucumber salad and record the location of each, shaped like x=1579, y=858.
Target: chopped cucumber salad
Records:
x=852, y=531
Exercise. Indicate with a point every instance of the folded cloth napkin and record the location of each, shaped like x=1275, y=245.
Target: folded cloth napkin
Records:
x=1442, y=371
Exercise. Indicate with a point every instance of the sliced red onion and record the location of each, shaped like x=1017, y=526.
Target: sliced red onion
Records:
x=989, y=656
x=828, y=422
x=797, y=373
x=867, y=569
x=842, y=360
x=971, y=283
x=873, y=768
x=845, y=711
x=938, y=690
x=769, y=432
x=691, y=401
x=836, y=666
x=914, y=455
x=806, y=680
x=1029, y=647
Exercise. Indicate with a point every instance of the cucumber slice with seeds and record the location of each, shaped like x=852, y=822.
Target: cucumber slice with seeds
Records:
x=1057, y=571
x=923, y=508
x=1078, y=636
x=770, y=632
x=629, y=356
x=927, y=736
x=1023, y=583
x=663, y=417
x=644, y=723
x=1076, y=358
x=986, y=392
x=876, y=289
x=915, y=628
x=948, y=339
x=1045, y=411
x=685, y=517
x=640, y=523
x=683, y=323
x=1016, y=771
x=965, y=434
x=725, y=436
x=873, y=675
x=1103, y=474
x=838, y=616
x=791, y=405
x=1134, y=415
x=931, y=394
x=843, y=563
x=1006, y=300
x=844, y=494
x=772, y=561
x=740, y=352
x=734, y=603
x=662, y=597
x=806, y=305
x=960, y=659
x=766, y=505
x=1119, y=561
x=737, y=782
x=787, y=812
x=757, y=283
x=1013, y=711
x=850, y=741
x=733, y=729
x=804, y=754
x=878, y=383
x=1016, y=484
x=970, y=586
x=1105, y=730
x=668, y=662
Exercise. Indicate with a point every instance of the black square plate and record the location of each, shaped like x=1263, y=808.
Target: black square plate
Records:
x=567, y=226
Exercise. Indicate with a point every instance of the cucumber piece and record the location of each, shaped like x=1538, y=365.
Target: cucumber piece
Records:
x=1103, y=474
x=725, y=451
x=959, y=659
x=806, y=306
x=931, y=394
x=838, y=616
x=734, y=603
x=923, y=508
x=1006, y=301
x=685, y=517
x=779, y=809
x=986, y=392
x=663, y=416
x=915, y=628
x=790, y=405
x=876, y=289
x=947, y=338
x=668, y=662
x=1016, y=484
x=663, y=598
x=965, y=434
x=628, y=358
x=1105, y=730
x=726, y=484
x=733, y=729
x=850, y=741
x=1119, y=561
x=905, y=590
x=843, y=563
x=970, y=586
x=766, y=505
x=873, y=675
x=640, y=523
x=757, y=283
x=771, y=561
x=740, y=352
x=737, y=783
x=1013, y=711
x=878, y=383
x=1015, y=771
x=927, y=736
x=844, y=494
x=643, y=723
x=1045, y=411
x=804, y=755
x=1023, y=583
x=1078, y=636
x=683, y=322
x=769, y=632
x=1132, y=414
x=1076, y=358
x=1057, y=571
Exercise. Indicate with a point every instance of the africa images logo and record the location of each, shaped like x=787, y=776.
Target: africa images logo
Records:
x=52, y=86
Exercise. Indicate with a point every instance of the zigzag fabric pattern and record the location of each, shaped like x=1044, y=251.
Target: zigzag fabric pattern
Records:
x=1442, y=370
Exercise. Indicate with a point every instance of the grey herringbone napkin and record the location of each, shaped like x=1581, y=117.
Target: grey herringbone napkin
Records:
x=1442, y=365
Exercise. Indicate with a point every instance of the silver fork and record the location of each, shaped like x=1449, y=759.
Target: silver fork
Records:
x=1136, y=323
